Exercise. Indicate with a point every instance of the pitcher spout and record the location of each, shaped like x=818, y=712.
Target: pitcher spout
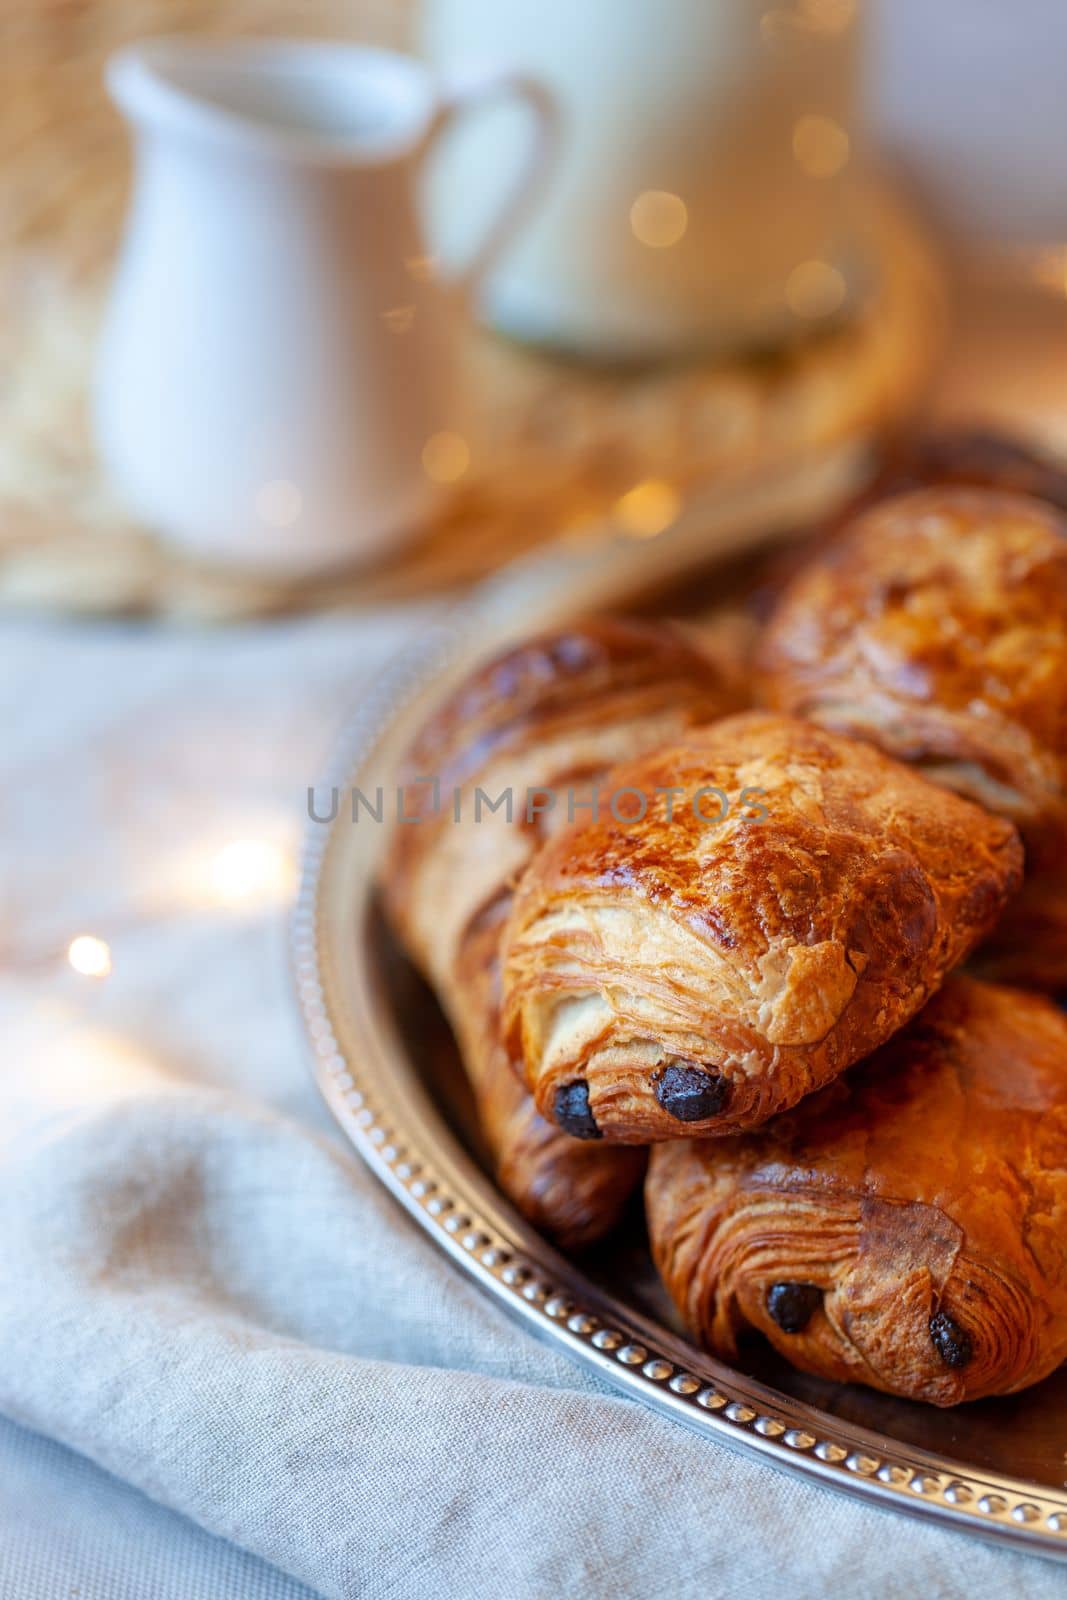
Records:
x=294, y=100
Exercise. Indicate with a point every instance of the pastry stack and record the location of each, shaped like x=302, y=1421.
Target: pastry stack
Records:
x=779, y=937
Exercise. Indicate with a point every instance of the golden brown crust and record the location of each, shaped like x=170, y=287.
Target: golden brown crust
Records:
x=684, y=978
x=904, y=1228
x=575, y=1192
x=964, y=457
x=937, y=628
x=551, y=712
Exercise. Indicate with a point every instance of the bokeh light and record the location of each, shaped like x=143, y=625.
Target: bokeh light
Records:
x=820, y=145
x=445, y=457
x=399, y=319
x=420, y=269
x=250, y=871
x=90, y=956
x=658, y=218
x=829, y=16
x=815, y=289
x=648, y=508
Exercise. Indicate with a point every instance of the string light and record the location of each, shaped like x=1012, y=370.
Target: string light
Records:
x=815, y=289
x=90, y=956
x=820, y=145
x=242, y=873
x=648, y=508
x=251, y=870
x=658, y=218
x=445, y=457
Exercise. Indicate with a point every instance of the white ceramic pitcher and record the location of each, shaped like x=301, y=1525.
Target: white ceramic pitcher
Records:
x=279, y=347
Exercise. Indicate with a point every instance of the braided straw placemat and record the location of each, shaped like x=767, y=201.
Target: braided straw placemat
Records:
x=558, y=449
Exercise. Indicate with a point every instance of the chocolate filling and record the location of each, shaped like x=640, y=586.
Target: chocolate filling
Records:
x=950, y=1341
x=791, y=1305
x=570, y=1111
x=689, y=1093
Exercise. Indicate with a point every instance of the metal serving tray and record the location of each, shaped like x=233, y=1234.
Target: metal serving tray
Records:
x=387, y=1067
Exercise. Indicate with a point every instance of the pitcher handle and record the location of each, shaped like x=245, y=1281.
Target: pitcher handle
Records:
x=470, y=92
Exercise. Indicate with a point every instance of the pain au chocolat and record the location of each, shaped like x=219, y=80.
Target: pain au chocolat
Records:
x=936, y=627
x=538, y=723
x=905, y=1227
x=676, y=975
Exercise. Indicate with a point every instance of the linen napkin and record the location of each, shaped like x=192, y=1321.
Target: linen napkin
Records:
x=203, y=1293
